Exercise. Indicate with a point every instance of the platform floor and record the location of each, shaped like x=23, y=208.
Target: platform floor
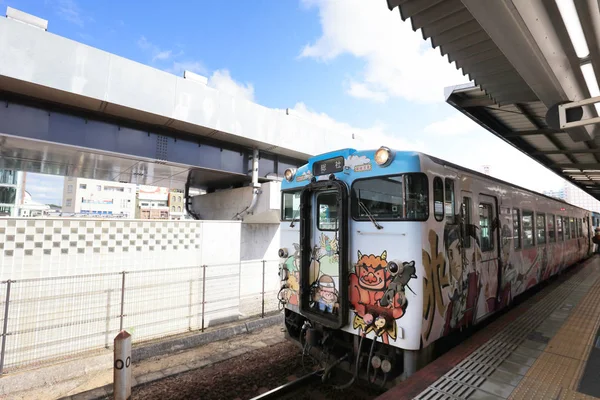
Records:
x=547, y=347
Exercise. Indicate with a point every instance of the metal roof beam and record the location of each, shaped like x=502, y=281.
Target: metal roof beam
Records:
x=579, y=166
x=528, y=33
x=556, y=152
x=546, y=131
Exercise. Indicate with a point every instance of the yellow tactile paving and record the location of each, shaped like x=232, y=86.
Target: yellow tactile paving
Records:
x=552, y=368
x=568, y=394
x=557, y=371
x=532, y=389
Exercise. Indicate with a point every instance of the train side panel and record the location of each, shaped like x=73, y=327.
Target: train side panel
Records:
x=499, y=242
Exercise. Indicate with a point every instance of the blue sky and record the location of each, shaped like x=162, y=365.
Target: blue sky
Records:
x=344, y=63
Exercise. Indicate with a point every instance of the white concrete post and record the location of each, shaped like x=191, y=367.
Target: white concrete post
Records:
x=122, y=367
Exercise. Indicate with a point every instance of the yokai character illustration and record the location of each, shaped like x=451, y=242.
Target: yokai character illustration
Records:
x=378, y=295
x=327, y=296
x=292, y=265
x=330, y=246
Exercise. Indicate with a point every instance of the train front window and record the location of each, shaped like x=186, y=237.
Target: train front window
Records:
x=290, y=205
x=391, y=198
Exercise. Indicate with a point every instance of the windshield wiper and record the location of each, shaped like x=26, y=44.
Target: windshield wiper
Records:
x=369, y=215
x=294, y=217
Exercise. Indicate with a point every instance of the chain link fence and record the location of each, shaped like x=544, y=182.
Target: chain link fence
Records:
x=54, y=318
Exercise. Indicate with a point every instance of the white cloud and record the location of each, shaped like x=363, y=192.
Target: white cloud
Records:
x=362, y=91
x=456, y=124
x=70, y=11
x=222, y=80
x=162, y=55
x=398, y=63
x=364, y=138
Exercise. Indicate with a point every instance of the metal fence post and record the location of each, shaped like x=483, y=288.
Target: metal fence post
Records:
x=203, y=293
x=5, y=326
x=263, y=289
x=122, y=302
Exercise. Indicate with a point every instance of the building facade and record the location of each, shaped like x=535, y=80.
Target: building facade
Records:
x=153, y=202
x=176, y=204
x=98, y=198
x=11, y=192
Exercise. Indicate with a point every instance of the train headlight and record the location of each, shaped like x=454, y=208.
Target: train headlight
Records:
x=283, y=253
x=289, y=174
x=393, y=267
x=383, y=157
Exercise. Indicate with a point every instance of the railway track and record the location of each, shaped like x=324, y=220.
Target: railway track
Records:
x=310, y=386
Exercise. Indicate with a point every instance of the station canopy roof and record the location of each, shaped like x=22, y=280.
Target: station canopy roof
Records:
x=524, y=57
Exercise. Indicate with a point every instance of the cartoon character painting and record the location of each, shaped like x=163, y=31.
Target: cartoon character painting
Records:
x=292, y=265
x=463, y=279
x=377, y=294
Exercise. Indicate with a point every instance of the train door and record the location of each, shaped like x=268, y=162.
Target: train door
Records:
x=468, y=283
x=323, y=248
x=489, y=254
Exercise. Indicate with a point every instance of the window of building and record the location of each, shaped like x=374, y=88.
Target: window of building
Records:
x=173, y=209
x=8, y=195
x=551, y=232
x=82, y=186
x=327, y=207
x=99, y=187
x=559, y=229
x=527, y=223
x=466, y=214
x=438, y=198
x=382, y=198
x=516, y=228
x=178, y=208
x=69, y=188
x=449, y=204
x=68, y=202
x=485, y=226
x=179, y=199
x=8, y=176
x=540, y=225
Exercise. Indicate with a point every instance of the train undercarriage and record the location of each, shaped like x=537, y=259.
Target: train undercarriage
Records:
x=366, y=360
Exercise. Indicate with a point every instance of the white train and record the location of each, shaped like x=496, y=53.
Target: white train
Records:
x=398, y=249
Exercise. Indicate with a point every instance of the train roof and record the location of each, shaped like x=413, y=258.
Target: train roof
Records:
x=491, y=178
x=437, y=160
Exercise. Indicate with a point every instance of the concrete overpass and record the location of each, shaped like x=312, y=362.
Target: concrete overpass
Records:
x=71, y=109
x=524, y=57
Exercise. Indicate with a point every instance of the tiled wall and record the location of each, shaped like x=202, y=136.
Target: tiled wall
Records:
x=34, y=248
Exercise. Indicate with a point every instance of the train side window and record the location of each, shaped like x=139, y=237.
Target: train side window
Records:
x=449, y=204
x=516, y=228
x=438, y=198
x=466, y=214
x=559, y=229
x=567, y=228
x=580, y=227
x=527, y=221
x=573, y=229
x=485, y=225
x=540, y=224
x=551, y=232
x=290, y=205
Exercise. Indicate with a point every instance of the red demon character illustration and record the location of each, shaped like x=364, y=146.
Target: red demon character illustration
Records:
x=374, y=299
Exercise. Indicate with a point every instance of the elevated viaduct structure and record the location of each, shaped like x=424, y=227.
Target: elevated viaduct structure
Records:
x=74, y=110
